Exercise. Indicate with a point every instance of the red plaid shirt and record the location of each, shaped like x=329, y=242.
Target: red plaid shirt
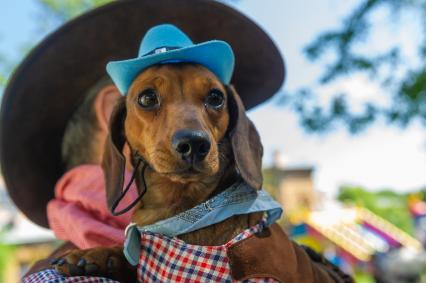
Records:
x=165, y=259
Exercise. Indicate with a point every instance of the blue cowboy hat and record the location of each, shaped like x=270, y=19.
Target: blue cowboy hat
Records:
x=168, y=44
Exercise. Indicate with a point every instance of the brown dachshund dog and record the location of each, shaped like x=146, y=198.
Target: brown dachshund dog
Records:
x=194, y=134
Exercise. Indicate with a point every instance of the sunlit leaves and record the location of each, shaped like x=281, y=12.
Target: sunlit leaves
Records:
x=407, y=92
x=315, y=117
x=67, y=9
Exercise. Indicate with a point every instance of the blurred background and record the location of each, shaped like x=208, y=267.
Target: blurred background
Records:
x=344, y=139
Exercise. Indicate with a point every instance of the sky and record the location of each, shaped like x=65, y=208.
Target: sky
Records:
x=380, y=158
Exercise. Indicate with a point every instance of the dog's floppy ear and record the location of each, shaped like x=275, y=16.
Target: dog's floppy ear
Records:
x=114, y=162
x=245, y=141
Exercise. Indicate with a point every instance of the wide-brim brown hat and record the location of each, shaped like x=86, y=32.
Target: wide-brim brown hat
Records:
x=53, y=79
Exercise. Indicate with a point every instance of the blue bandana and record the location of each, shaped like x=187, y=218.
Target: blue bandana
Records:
x=236, y=200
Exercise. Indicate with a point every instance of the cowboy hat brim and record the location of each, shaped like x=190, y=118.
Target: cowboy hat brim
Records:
x=53, y=80
x=215, y=55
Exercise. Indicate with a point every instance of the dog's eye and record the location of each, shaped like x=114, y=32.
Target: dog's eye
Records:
x=148, y=99
x=215, y=99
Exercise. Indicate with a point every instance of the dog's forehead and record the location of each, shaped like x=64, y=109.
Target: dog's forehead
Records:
x=177, y=73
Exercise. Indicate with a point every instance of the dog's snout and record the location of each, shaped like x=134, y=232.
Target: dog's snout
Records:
x=192, y=146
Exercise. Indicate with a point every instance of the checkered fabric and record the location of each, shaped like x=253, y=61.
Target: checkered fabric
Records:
x=165, y=259
x=52, y=276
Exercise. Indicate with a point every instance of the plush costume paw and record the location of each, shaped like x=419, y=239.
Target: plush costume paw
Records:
x=102, y=262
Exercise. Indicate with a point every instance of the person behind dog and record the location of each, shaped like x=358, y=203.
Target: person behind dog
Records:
x=78, y=214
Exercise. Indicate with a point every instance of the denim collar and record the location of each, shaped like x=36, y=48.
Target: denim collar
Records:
x=236, y=200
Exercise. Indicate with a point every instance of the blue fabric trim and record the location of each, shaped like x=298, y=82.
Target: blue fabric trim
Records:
x=132, y=244
x=236, y=200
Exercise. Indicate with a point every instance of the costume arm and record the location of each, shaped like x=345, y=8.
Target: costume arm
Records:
x=271, y=254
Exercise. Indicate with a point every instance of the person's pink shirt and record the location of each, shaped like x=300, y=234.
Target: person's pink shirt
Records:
x=79, y=211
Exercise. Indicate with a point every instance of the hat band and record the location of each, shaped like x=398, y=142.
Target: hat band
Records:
x=162, y=49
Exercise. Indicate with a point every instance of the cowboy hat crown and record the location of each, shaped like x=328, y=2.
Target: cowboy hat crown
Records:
x=168, y=44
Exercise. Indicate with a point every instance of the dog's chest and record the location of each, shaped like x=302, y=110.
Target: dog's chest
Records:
x=164, y=259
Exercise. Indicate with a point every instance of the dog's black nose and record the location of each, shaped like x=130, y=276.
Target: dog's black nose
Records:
x=192, y=146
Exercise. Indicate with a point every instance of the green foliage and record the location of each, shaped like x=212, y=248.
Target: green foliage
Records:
x=3, y=68
x=422, y=193
x=387, y=204
x=54, y=13
x=2, y=80
x=405, y=83
x=6, y=252
x=363, y=278
x=66, y=9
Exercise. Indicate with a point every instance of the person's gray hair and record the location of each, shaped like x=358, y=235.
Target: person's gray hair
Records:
x=79, y=144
